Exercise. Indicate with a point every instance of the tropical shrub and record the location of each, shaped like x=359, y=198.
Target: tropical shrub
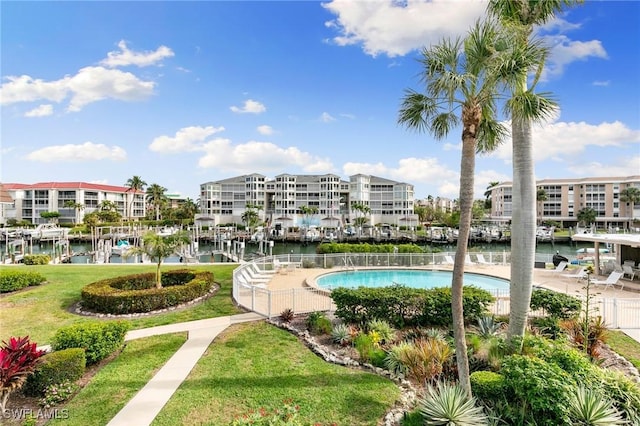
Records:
x=586, y=336
x=36, y=259
x=318, y=323
x=13, y=279
x=287, y=315
x=98, y=339
x=18, y=359
x=365, y=346
x=488, y=327
x=333, y=247
x=487, y=385
x=422, y=360
x=396, y=356
x=58, y=393
x=538, y=387
x=67, y=365
x=138, y=293
x=384, y=330
x=554, y=304
x=624, y=393
x=450, y=405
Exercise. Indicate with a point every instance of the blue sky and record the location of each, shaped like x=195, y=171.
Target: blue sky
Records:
x=182, y=93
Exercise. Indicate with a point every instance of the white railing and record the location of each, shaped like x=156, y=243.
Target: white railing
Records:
x=617, y=313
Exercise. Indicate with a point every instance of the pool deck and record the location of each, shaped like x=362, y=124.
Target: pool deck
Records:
x=544, y=278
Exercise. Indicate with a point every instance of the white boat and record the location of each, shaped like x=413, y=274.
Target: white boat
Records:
x=121, y=248
x=46, y=231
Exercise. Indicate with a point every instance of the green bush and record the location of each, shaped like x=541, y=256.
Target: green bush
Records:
x=540, y=387
x=487, y=385
x=36, y=259
x=318, y=323
x=98, y=339
x=137, y=293
x=402, y=306
x=333, y=247
x=557, y=305
x=67, y=365
x=624, y=393
x=13, y=279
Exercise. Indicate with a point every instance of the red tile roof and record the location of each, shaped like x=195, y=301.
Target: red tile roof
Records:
x=5, y=197
x=67, y=185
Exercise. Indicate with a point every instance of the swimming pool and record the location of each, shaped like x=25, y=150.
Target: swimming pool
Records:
x=414, y=278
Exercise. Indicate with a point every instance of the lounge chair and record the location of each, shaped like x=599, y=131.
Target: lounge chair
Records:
x=448, y=260
x=580, y=273
x=468, y=261
x=257, y=272
x=628, y=270
x=253, y=280
x=611, y=280
x=482, y=261
x=561, y=267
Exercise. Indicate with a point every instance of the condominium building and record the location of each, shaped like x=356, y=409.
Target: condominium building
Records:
x=30, y=200
x=281, y=200
x=564, y=198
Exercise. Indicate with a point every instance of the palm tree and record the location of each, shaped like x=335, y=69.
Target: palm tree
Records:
x=363, y=209
x=251, y=217
x=135, y=185
x=524, y=107
x=308, y=212
x=77, y=207
x=157, y=247
x=459, y=79
x=487, y=194
x=156, y=197
x=189, y=207
x=630, y=195
x=541, y=197
x=587, y=216
x=108, y=206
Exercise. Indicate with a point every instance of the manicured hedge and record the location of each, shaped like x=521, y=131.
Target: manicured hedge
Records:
x=67, y=365
x=487, y=385
x=403, y=306
x=12, y=279
x=98, y=339
x=138, y=293
x=334, y=247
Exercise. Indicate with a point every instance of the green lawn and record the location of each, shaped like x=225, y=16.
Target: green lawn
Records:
x=625, y=346
x=39, y=311
x=257, y=365
x=116, y=383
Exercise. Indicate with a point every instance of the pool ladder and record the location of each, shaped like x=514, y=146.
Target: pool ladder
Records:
x=348, y=264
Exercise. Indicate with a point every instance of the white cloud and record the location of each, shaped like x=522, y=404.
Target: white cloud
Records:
x=627, y=166
x=325, y=117
x=601, y=83
x=565, y=51
x=562, y=141
x=395, y=28
x=265, y=130
x=92, y=84
x=40, y=111
x=89, y=85
x=349, y=116
x=126, y=57
x=187, y=139
x=87, y=151
x=250, y=106
x=27, y=89
x=265, y=157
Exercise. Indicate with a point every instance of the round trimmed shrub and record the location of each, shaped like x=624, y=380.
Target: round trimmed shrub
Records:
x=138, y=293
x=67, y=365
x=98, y=339
x=36, y=259
x=13, y=280
x=487, y=385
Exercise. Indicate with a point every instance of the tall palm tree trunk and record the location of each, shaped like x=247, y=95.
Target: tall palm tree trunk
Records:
x=467, y=168
x=523, y=226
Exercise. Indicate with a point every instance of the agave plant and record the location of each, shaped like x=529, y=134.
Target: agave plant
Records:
x=341, y=334
x=488, y=326
x=588, y=408
x=450, y=405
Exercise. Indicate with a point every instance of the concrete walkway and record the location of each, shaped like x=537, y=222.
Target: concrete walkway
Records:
x=147, y=403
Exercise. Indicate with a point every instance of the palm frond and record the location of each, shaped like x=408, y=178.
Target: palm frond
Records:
x=536, y=107
x=417, y=111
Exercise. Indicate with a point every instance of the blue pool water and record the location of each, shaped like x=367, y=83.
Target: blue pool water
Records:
x=408, y=277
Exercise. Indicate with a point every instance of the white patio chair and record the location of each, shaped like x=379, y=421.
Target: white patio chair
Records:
x=611, y=280
x=628, y=270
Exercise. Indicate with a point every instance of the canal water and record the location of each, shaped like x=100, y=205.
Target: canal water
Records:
x=82, y=251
